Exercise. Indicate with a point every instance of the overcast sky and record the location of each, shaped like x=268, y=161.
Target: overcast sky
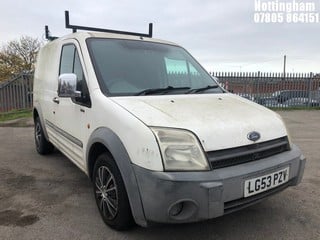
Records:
x=220, y=34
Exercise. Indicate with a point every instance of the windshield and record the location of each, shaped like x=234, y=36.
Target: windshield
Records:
x=130, y=67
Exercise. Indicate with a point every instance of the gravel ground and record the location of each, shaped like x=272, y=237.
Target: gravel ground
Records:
x=50, y=198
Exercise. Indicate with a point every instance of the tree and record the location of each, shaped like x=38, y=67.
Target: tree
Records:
x=18, y=56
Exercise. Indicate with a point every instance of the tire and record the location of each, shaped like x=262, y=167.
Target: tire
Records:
x=43, y=146
x=110, y=194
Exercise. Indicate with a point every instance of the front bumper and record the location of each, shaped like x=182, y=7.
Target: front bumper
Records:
x=177, y=197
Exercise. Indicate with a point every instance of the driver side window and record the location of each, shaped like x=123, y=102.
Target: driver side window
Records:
x=70, y=63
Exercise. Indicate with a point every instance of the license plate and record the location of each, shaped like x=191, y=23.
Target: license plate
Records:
x=264, y=183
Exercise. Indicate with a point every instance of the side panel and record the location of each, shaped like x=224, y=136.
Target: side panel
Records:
x=45, y=84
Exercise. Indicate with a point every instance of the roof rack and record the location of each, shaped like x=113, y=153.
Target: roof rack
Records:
x=76, y=27
x=48, y=34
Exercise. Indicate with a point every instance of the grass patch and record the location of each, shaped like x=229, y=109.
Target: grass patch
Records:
x=15, y=114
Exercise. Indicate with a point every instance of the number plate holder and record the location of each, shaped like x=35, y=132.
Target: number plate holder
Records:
x=266, y=182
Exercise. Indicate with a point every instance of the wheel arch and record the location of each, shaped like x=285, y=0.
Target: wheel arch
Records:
x=37, y=112
x=95, y=151
x=104, y=140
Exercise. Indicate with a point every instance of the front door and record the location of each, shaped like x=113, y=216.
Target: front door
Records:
x=70, y=119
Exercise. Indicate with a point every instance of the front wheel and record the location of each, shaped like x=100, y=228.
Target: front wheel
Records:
x=110, y=194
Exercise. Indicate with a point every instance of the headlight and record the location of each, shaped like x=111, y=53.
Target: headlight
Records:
x=180, y=150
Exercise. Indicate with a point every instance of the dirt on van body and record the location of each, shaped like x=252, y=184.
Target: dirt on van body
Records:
x=48, y=197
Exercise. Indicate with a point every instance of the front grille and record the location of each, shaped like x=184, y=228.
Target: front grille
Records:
x=248, y=153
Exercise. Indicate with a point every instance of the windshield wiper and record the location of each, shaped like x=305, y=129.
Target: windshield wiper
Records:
x=160, y=90
x=197, y=90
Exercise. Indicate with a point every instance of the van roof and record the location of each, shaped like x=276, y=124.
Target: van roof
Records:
x=82, y=36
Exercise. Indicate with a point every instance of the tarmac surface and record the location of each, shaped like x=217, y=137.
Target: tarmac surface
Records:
x=50, y=198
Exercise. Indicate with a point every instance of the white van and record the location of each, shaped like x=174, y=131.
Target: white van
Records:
x=160, y=140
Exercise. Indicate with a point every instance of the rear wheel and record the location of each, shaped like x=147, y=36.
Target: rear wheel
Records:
x=43, y=146
x=110, y=194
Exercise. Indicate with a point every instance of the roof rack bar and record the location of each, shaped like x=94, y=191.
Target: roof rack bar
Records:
x=76, y=27
x=150, y=29
x=48, y=35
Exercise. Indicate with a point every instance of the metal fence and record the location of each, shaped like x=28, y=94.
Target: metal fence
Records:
x=268, y=89
x=274, y=89
x=16, y=94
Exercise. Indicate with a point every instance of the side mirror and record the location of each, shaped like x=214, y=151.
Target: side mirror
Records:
x=68, y=85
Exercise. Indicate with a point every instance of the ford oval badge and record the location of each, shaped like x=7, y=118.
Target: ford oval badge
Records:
x=253, y=136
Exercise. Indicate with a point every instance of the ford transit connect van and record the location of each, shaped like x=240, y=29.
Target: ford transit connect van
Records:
x=160, y=140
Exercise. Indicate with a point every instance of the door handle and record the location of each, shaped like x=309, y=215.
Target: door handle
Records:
x=56, y=100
